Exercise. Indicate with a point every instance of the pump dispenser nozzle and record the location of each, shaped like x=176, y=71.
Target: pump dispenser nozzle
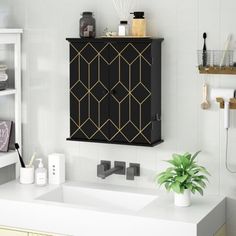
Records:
x=40, y=162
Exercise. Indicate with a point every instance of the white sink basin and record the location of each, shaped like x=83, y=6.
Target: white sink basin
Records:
x=99, y=199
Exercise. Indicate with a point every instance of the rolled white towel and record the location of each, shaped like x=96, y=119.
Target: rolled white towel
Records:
x=3, y=68
x=3, y=77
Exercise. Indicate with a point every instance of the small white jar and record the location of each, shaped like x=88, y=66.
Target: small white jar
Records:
x=123, y=29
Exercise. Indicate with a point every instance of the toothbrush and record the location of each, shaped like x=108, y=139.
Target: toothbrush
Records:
x=21, y=159
x=226, y=48
x=204, y=51
x=32, y=159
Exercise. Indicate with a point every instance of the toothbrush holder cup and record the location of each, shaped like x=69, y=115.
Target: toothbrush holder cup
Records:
x=27, y=175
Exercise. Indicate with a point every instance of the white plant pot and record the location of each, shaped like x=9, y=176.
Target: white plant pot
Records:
x=183, y=199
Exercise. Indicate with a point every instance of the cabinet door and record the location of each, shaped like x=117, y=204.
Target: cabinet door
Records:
x=89, y=91
x=130, y=85
x=8, y=232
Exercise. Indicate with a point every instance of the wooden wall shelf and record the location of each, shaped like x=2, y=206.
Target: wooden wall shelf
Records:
x=232, y=104
x=217, y=70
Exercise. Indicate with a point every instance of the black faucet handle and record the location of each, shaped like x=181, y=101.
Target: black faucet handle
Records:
x=106, y=164
x=132, y=170
x=102, y=167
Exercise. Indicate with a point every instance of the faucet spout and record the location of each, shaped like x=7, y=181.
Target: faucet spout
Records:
x=109, y=172
x=104, y=169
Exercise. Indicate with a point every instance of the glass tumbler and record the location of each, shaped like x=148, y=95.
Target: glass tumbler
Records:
x=222, y=58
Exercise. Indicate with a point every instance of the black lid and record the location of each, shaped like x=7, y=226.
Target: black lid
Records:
x=87, y=13
x=138, y=14
x=123, y=22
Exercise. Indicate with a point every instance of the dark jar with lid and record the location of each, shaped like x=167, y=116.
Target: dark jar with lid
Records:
x=87, y=25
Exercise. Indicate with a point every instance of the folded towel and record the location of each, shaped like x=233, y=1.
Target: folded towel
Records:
x=3, y=68
x=3, y=77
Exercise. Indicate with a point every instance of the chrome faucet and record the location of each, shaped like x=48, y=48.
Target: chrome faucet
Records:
x=104, y=169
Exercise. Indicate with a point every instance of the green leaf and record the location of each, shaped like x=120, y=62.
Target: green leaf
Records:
x=189, y=186
x=187, y=155
x=201, y=183
x=167, y=186
x=203, y=170
x=194, y=156
x=199, y=190
x=176, y=187
x=190, y=172
x=181, y=179
x=178, y=159
x=162, y=180
x=185, y=162
x=172, y=162
x=203, y=177
x=193, y=191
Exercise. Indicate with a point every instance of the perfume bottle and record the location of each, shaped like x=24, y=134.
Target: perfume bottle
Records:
x=123, y=29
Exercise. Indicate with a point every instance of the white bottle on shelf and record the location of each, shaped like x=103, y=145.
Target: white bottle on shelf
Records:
x=40, y=174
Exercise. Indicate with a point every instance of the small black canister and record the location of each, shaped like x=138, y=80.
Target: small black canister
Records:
x=87, y=25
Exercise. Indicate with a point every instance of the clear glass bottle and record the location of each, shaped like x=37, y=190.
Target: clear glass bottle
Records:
x=123, y=29
x=87, y=25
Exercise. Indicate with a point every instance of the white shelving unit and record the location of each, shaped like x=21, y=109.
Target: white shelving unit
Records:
x=13, y=37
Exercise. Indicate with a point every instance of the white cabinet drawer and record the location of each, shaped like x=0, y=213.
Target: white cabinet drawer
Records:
x=8, y=232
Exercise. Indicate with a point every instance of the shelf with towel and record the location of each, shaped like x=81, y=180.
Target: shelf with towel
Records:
x=7, y=92
x=8, y=158
x=12, y=37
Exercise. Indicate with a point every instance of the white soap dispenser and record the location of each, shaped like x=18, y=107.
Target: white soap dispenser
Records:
x=40, y=174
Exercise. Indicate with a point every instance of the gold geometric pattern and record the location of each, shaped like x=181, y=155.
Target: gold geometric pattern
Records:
x=121, y=92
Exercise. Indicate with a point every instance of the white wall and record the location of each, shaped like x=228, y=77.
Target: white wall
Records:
x=185, y=126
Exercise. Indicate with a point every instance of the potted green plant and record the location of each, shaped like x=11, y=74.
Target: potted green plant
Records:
x=183, y=177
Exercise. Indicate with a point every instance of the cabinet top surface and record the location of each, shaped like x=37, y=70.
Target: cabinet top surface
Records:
x=10, y=31
x=115, y=39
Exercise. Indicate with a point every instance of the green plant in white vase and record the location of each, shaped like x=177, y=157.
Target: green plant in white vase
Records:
x=183, y=177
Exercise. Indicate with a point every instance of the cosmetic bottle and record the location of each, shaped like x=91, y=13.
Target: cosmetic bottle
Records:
x=123, y=29
x=87, y=25
x=40, y=174
x=138, y=24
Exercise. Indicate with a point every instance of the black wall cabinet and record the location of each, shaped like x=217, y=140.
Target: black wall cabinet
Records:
x=115, y=90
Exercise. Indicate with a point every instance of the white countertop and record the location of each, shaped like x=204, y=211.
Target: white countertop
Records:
x=19, y=201
x=10, y=31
